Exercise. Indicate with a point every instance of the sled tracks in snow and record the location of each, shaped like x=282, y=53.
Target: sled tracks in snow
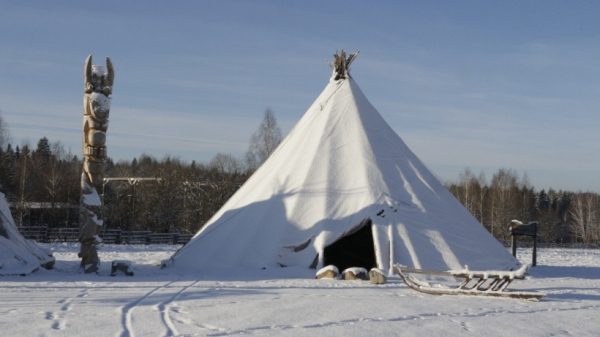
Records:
x=159, y=304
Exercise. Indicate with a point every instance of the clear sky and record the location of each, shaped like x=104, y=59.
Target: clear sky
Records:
x=479, y=84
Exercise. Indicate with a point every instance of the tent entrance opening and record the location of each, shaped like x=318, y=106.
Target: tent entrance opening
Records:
x=353, y=250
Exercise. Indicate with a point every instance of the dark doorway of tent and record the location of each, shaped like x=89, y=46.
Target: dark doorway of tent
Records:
x=355, y=249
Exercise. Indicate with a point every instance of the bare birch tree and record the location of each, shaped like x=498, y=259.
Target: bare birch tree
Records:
x=504, y=186
x=227, y=163
x=470, y=192
x=264, y=141
x=3, y=132
x=584, y=219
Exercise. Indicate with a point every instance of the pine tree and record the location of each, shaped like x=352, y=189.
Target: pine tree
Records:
x=43, y=148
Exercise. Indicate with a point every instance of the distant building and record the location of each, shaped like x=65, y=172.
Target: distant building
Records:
x=38, y=213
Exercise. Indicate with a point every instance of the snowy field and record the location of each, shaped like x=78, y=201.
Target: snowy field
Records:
x=64, y=302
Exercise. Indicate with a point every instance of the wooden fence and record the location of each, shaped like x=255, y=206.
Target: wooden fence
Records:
x=45, y=234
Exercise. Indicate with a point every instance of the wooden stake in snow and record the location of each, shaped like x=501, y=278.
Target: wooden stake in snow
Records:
x=341, y=64
x=98, y=82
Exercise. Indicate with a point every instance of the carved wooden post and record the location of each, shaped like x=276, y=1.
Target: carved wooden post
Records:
x=98, y=82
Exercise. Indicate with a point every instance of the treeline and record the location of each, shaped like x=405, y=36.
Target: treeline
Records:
x=40, y=182
x=564, y=216
x=183, y=197
x=43, y=186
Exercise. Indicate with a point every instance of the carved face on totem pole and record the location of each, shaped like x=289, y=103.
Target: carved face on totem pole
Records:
x=98, y=82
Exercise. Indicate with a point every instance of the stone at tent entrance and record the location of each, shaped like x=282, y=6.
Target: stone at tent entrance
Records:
x=376, y=276
x=328, y=272
x=355, y=273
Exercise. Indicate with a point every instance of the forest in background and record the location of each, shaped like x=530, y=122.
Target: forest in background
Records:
x=42, y=184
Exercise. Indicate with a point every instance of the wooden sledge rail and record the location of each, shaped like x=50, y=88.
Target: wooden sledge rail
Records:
x=478, y=283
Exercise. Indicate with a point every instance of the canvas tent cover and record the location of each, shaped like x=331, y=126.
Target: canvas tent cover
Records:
x=341, y=166
x=18, y=256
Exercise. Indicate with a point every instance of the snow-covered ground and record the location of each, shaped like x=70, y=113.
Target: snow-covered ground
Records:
x=154, y=302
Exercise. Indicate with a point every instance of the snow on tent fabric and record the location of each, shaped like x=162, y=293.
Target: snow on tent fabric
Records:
x=342, y=171
x=18, y=256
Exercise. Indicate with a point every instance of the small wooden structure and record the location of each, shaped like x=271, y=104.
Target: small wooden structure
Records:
x=517, y=228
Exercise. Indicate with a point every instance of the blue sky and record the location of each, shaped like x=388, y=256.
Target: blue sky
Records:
x=479, y=84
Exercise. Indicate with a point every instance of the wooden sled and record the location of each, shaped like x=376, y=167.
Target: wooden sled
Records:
x=475, y=283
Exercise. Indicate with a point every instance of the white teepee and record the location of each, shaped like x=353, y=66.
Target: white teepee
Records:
x=18, y=256
x=340, y=171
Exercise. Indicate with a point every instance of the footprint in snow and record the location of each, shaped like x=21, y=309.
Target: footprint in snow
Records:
x=58, y=325
x=183, y=321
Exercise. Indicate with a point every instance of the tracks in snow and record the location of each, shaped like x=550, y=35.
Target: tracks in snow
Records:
x=462, y=319
x=127, y=310
x=163, y=308
x=58, y=317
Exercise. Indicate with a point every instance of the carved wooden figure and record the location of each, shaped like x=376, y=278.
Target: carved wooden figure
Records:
x=98, y=82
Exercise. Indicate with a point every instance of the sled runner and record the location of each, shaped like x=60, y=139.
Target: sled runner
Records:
x=477, y=283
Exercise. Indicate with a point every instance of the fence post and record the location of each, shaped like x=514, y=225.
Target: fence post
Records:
x=534, y=255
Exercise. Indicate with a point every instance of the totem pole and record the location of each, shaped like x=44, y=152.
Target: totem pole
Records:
x=98, y=82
